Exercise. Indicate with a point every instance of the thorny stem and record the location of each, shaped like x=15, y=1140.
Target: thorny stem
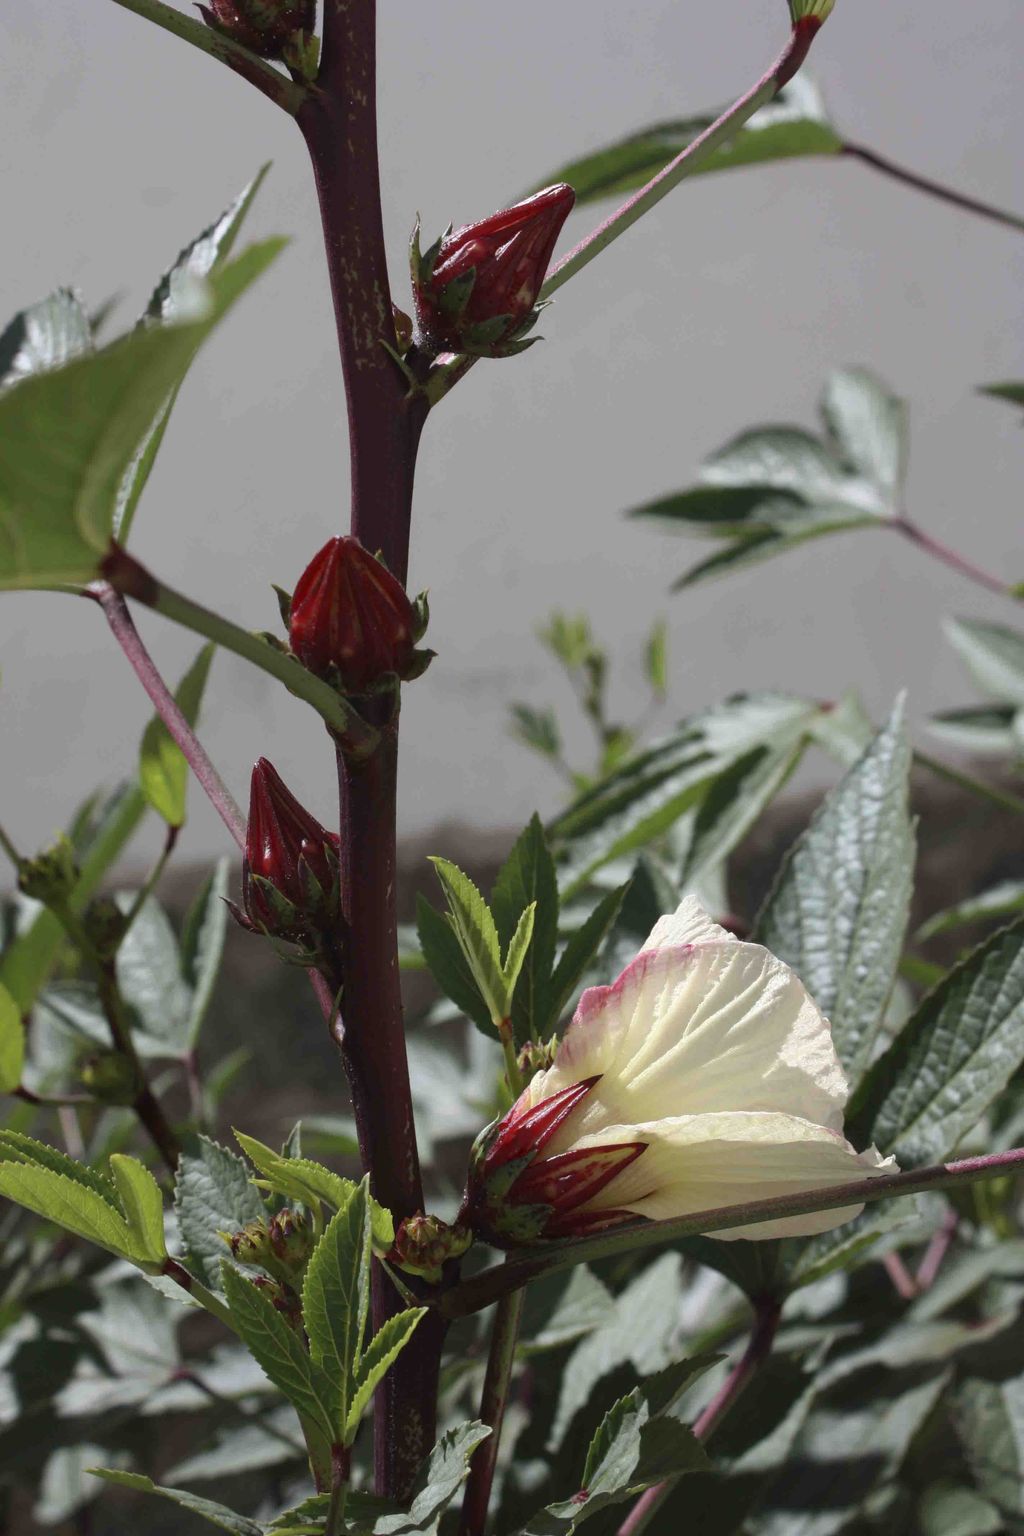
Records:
x=767, y=1314
x=1001, y=797
x=484, y=1289
x=122, y=627
x=131, y=579
x=688, y=160
x=274, y=85
x=500, y=1360
x=957, y=562
x=339, y=123
x=937, y=189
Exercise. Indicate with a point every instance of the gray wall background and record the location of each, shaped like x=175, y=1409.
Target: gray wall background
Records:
x=725, y=307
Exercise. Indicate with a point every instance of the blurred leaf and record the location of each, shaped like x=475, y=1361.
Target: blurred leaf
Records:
x=844, y=730
x=734, y=801
x=12, y=1042
x=68, y=437
x=443, y=1474
x=1014, y=393
x=648, y=794
x=1002, y=900
x=580, y=949
x=163, y=771
x=868, y=425
x=989, y=1421
x=527, y=878
x=656, y=657
x=44, y=336
x=946, y=1510
x=150, y=980
x=984, y=731
x=65, y=1487
x=173, y=300
x=537, y=728
x=273, y=1439
x=793, y=124
x=410, y=956
x=994, y=656
x=213, y=1194
x=214, y=1514
x=283, y=1358
x=585, y=1303
x=839, y=908
x=955, y=1054
x=25, y=966
x=202, y=944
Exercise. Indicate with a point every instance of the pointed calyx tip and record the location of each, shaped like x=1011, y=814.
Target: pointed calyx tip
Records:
x=290, y=880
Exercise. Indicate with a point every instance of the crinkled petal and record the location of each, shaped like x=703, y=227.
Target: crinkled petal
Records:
x=688, y=924
x=700, y=1029
x=701, y=1162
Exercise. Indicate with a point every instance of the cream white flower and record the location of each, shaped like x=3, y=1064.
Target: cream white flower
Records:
x=705, y=1076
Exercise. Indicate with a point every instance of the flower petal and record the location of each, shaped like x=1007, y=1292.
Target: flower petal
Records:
x=700, y=1029
x=701, y=1162
x=688, y=924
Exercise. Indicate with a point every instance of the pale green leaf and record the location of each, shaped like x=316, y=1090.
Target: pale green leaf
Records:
x=838, y=911
x=474, y=927
x=12, y=1042
x=206, y=1509
x=733, y=803
x=994, y=656
x=299, y=1178
x=378, y=1358
x=163, y=771
x=213, y=1194
x=518, y=946
x=16, y=1147
x=1003, y=900
x=869, y=426
x=143, y=1206
x=67, y=438
x=69, y=1204
x=439, y=1481
x=44, y=336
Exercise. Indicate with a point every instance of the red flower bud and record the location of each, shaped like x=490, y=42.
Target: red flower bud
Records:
x=351, y=621
x=476, y=289
x=265, y=27
x=517, y=1195
x=290, y=871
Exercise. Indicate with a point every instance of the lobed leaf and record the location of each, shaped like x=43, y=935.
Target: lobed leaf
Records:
x=473, y=924
x=213, y=1194
x=527, y=878
x=377, y=1359
x=143, y=1205
x=336, y=1298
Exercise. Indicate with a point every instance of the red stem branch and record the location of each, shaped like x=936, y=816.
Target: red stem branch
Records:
x=951, y=557
x=924, y=184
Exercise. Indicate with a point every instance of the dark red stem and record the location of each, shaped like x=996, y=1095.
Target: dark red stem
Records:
x=339, y=123
x=924, y=184
x=951, y=557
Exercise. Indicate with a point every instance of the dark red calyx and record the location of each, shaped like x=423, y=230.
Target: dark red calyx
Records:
x=351, y=621
x=524, y=1134
x=290, y=870
x=265, y=27
x=476, y=289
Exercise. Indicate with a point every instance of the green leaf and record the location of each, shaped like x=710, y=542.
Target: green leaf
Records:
x=280, y=1354
x=336, y=1299
x=950, y=1060
x=989, y=1421
x=149, y=977
x=68, y=1203
x=68, y=437
x=473, y=925
x=838, y=911
x=206, y=1509
x=579, y=950
x=202, y=944
x=12, y=1042
x=172, y=301
x=518, y=945
x=803, y=525
x=44, y=336
x=443, y=1474
x=793, y=124
x=947, y=1510
x=299, y=1178
x=1014, y=393
x=733, y=803
x=537, y=728
x=18, y=1148
x=1003, y=900
x=26, y=964
x=213, y=1194
x=443, y=954
x=994, y=656
x=984, y=731
x=650, y=792
x=527, y=878
x=143, y=1206
x=378, y=1358
x=868, y=425
x=163, y=771
x=656, y=658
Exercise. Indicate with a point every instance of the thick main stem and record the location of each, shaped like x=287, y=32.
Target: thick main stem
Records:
x=493, y=1401
x=339, y=123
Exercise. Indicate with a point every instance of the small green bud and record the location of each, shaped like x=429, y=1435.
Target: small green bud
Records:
x=536, y=1056
x=424, y=1244
x=291, y=1238
x=52, y=875
x=252, y=1244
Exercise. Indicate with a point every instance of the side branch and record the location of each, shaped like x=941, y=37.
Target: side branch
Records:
x=482, y=1290
x=938, y=189
x=274, y=85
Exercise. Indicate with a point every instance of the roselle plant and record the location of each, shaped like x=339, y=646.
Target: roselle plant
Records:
x=626, y=1235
